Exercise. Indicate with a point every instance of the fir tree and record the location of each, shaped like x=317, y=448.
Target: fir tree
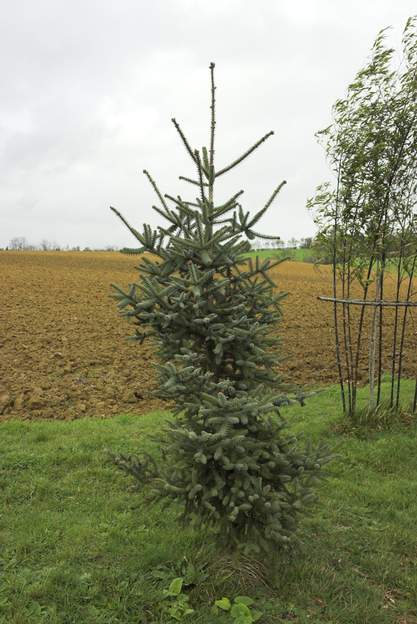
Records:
x=211, y=315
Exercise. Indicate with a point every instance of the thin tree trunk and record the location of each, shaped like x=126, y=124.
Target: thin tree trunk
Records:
x=373, y=342
x=346, y=331
x=338, y=357
x=395, y=332
x=360, y=330
x=380, y=337
x=349, y=328
x=401, y=352
x=335, y=311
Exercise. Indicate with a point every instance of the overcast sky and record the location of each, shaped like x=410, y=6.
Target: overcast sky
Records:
x=88, y=89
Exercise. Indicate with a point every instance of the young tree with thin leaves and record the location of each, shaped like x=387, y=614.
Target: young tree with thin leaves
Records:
x=368, y=219
x=211, y=316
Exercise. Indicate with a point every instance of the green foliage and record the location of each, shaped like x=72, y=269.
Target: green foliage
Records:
x=298, y=255
x=371, y=147
x=367, y=218
x=178, y=606
x=131, y=251
x=191, y=574
x=240, y=611
x=224, y=604
x=211, y=315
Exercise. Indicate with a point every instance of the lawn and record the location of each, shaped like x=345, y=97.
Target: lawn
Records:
x=79, y=546
x=299, y=255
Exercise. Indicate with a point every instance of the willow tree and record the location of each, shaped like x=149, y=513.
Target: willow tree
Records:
x=212, y=316
x=367, y=219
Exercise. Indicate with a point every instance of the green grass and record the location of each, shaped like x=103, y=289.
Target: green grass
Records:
x=78, y=545
x=299, y=255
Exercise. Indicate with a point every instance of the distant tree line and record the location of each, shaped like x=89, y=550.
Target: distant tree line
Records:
x=292, y=243
x=20, y=243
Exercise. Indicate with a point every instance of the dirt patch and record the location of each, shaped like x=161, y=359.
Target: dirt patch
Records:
x=63, y=347
x=307, y=327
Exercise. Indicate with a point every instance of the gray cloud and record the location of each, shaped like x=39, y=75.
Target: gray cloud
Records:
x=89, y=87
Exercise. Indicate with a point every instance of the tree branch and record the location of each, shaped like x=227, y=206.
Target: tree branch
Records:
x=245, y=155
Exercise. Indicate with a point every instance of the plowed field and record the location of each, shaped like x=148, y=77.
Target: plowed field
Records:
x=63, y=347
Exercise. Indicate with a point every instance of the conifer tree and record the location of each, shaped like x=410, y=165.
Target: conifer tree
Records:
x=211, y=315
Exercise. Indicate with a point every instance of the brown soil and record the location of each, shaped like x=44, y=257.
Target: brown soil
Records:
x=63, y=347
